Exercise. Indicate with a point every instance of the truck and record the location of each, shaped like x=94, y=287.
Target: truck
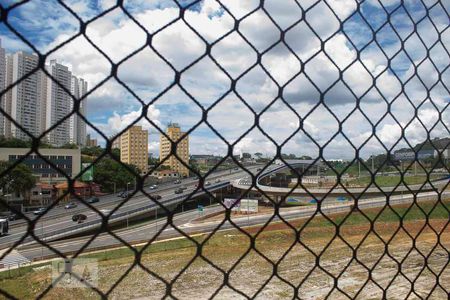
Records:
x=4, y=227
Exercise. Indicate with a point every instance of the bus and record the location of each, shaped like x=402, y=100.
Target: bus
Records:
x=4, y=227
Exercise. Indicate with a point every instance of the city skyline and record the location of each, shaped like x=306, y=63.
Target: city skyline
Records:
x=37, y=102
x=114, y=108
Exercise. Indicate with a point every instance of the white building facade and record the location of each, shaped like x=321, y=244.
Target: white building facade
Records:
x=37, y=102
x=77, y=126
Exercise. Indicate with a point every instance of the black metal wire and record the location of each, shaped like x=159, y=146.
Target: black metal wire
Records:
x=256, y=126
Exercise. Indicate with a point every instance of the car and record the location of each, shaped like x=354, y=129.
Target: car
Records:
x=70, y=205
x=39, y=211
x=12, y=217
x=259, y=169
x=178, y=181
x=124, y=194
x=217, y=180
x=236, y=168
x=153, y=187
x=207, y=183
x=79, y=218
x=156, y=196
x=93, y=200
x=179, y=191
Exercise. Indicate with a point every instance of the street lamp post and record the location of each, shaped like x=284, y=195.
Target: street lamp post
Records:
x=42, y=246
x=127, y=186
x=373, y=167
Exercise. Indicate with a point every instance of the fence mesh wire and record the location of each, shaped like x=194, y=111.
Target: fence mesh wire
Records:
x=368, y=36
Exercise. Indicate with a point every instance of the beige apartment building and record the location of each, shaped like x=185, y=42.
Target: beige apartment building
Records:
x=174, y=133
x=134, y=148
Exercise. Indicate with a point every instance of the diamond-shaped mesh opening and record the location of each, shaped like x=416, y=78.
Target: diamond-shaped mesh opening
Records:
x=225, y=149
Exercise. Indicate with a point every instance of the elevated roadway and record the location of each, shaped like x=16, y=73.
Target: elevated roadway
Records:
x=245, y=183
x=57, y=222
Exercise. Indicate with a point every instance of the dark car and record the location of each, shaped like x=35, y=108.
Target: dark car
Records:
x=93, y=200
x=13, y=217
x=70, y=205
x=156, y=196
x=124, y=194
x=179, y=191
x=79, y=218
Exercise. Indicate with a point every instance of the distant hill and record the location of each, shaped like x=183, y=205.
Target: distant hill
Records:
x=439, y=143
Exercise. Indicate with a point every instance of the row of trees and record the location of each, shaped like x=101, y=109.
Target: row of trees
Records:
x=18, y=143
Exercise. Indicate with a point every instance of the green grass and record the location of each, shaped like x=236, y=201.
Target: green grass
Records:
x=391, y=215
x=13, y=280
x=384, y=181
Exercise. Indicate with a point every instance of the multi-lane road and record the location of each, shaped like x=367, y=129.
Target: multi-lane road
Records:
x=57, y=222
x=189, y=224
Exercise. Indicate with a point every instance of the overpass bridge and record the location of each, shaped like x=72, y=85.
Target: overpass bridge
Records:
x=371, y=191
x=59, y=224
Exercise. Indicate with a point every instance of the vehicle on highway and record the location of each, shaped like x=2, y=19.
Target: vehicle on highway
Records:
x=105, y=211
x=156, y=196
x=93, y=200
x=39, y=211
x=13, y=217
x=124, y=194
x=4, y=227
x=207, y=183
x=179, y=191
x=178, y=181
x=153, y=187
x=217, y=180
x=79, y=218
x=259, y=169
x=236, y=168
x=10, y=216
x=70, y=205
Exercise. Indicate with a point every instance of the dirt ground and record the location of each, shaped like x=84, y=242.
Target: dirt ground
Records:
x=403, y=271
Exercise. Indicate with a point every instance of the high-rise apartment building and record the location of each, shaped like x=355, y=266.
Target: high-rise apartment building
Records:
x=2, y=87
x=134, y=148
x=37, y=102
x=115, y=143
x=78, y=89
x=58, y=103
x=26, y=104
x=174, y=133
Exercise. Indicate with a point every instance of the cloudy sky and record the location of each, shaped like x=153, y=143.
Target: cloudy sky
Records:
x=302, y=68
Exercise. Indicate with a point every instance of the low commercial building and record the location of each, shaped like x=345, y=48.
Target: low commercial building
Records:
x=67, y=160
x=165, y=174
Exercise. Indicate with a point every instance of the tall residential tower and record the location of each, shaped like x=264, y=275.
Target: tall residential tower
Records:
x=134, y=148
x=174, y=133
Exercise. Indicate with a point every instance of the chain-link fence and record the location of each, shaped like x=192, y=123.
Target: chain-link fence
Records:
x=380, y=58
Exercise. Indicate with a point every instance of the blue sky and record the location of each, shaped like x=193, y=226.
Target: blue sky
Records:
x=46, y=24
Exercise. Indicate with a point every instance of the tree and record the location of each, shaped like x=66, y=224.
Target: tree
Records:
x=19, y=180
x=108, y=172
x=69, y=146
x=258, y=155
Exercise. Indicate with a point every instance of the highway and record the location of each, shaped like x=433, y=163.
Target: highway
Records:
x=185, y=222
x=58, y=221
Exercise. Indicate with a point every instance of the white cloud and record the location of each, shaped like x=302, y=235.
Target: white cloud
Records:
x=148, y=75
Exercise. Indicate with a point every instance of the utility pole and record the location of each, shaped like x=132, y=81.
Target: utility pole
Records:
x=359, y=168
x=373, y=168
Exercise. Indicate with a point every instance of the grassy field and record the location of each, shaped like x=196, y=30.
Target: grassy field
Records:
x=224, y=249
x=385, y=181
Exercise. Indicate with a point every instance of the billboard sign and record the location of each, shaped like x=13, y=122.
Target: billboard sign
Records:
x=88, y=170
x=242, y=205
